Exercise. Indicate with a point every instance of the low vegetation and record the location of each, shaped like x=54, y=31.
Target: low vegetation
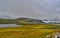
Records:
x=29, y=31
x=8, y=21
x=28, y=28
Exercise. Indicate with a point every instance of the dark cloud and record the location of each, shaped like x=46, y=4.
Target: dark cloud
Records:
x=41, y=9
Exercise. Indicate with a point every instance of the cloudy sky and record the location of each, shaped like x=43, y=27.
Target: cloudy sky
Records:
x=40, y=9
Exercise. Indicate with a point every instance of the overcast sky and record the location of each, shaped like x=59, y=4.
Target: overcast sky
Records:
x=40, y=9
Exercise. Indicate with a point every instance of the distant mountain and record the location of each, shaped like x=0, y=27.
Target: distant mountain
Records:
x=29, y=21
x=21, y=18
x=45, y=20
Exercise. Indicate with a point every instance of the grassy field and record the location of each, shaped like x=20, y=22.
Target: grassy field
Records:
x=29, y=31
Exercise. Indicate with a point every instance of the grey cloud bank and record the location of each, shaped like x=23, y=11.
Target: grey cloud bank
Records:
x=40, y=9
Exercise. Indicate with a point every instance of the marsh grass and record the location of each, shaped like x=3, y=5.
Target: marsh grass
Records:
x=29, y=31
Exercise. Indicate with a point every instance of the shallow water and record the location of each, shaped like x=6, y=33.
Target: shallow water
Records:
x=8, y=25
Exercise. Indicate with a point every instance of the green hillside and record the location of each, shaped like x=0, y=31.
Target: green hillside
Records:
x=28, y=21
x=20, y=21
x=7, y=21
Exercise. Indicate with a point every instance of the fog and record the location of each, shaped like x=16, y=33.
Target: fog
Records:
x=39, y=9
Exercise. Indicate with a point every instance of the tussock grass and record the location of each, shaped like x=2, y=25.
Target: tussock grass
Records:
x=29, y=31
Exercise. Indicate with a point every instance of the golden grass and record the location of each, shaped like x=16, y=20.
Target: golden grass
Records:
x=29, y=31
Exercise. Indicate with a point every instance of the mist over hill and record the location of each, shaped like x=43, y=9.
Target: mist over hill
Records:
x=40, y=9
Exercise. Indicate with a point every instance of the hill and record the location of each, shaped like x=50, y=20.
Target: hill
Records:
x=7, y=21
x=20, y=21
x=29, y=21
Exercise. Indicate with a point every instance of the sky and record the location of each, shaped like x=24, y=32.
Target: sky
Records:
x=39, y=9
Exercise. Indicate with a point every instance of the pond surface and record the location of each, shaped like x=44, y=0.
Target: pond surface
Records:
x=8, y=25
